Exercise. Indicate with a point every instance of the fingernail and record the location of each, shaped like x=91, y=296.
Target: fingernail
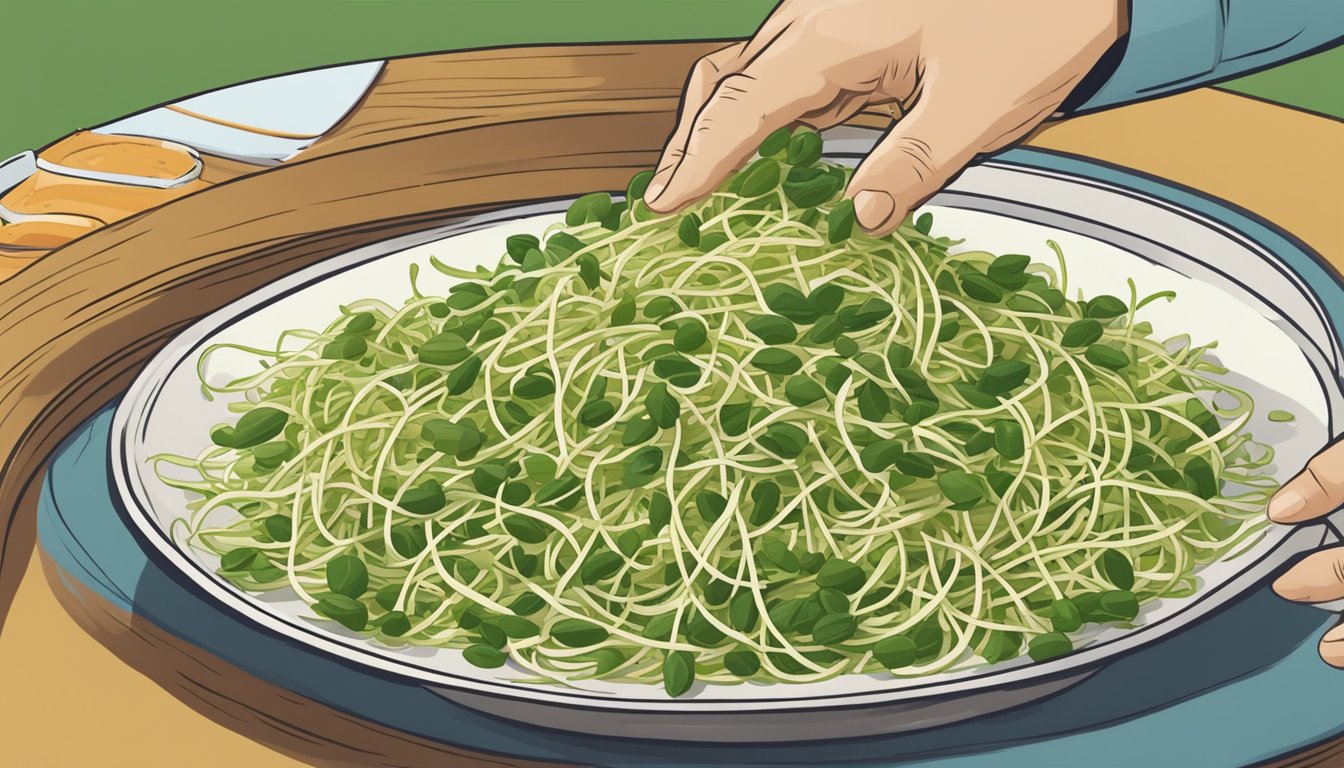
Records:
x=872, y=207
x=654, y=189
x=1286, y=503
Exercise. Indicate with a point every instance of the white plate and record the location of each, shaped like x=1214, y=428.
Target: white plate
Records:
x=1272, y=335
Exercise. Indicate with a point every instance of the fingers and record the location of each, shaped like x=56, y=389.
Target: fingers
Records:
x=1316, y=491
x=1332, y=646
x=703, y=79
x=1316, y=578
x=914, y=160
x=701, y=85
x=743, y=110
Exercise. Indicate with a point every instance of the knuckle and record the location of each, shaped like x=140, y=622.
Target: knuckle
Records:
x=704, y=68
x=710, y=67
x=918, y=156
x=670, y=159
x=1318, y=461
x=737, y=86
x=919, y=150
x=1337, y=566
x=734, y=103
x=749, y=102
x=809, y=21
x=1327, y=470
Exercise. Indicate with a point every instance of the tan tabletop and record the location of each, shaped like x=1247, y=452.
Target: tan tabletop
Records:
x=70, y=701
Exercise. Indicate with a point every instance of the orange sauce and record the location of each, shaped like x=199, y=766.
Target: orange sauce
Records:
x=22, y=243
x=47, y=192
x=128, y=155
x=57, y=206
x=44, y=234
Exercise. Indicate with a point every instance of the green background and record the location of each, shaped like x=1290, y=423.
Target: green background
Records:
x=78, y=63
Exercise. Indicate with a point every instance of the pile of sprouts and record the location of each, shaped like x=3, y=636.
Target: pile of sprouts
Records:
x=745, y=441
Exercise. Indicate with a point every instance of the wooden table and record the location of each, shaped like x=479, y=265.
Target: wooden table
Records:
x=426, y=141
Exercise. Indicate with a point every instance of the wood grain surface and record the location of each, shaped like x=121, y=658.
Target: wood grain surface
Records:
x=286, y=722
x=75, y=325
x=438, y=135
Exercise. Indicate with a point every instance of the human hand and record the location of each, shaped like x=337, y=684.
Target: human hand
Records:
x=1318, y=577
x=975, y=75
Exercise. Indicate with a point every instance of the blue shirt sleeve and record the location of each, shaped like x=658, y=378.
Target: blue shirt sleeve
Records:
x=1178, y=44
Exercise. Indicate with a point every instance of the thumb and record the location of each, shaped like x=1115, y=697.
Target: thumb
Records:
x=1315, y=492
x=920, y=154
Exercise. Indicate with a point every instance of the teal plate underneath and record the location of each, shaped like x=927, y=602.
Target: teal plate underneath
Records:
x=1242, y=686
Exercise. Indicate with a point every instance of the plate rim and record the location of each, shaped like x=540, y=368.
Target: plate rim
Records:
x=135, y=508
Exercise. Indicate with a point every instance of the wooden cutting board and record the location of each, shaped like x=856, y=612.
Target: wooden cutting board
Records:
x=437, y=135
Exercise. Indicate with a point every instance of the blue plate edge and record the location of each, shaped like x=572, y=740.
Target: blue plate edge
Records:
x=1301, y=258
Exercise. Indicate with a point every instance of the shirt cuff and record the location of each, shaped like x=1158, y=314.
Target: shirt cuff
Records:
x=1170, y=43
